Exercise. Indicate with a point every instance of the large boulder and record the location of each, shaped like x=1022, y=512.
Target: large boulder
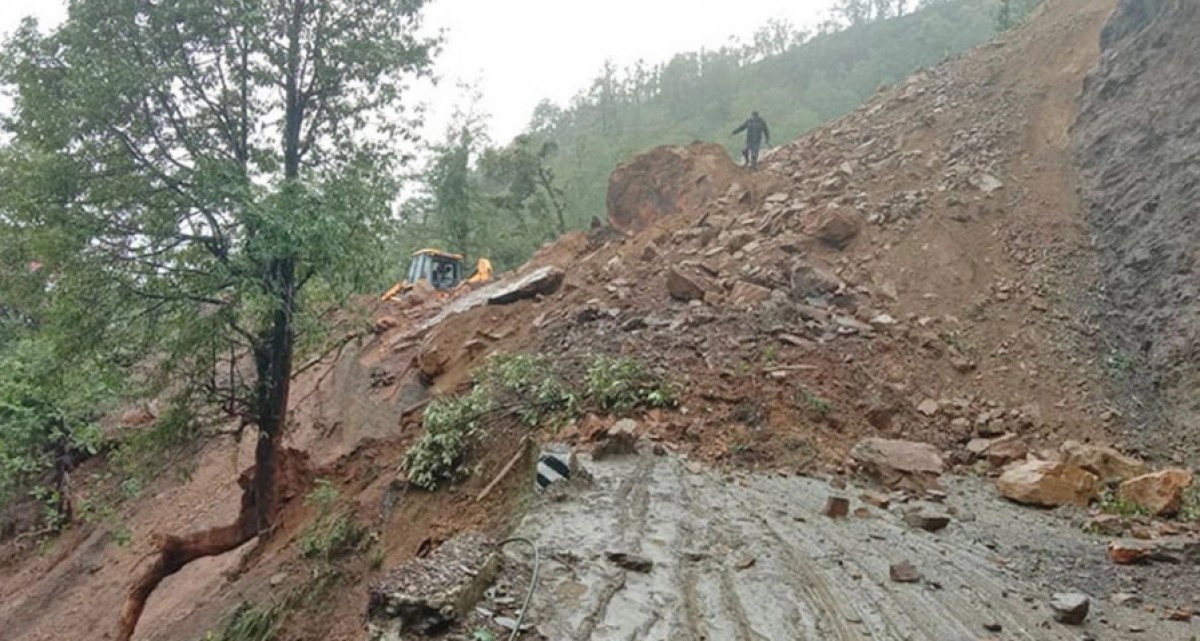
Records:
x=1161, y=493
x=666, y=181
x=542, y=281
x=836, y=228
x=687, y=285
x=889, y=460
x=1049, y=484
x=1104, y=462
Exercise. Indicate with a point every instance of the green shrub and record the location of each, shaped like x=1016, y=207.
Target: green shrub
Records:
x=534, y=391
x=622, y=384
x=449, y=425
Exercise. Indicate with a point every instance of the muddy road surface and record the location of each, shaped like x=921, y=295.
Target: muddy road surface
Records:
x=753, y=558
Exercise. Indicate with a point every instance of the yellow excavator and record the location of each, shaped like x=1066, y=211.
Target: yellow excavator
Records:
x=442, y=271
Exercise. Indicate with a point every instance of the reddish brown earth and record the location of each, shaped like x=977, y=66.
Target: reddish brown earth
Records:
x=920, y=269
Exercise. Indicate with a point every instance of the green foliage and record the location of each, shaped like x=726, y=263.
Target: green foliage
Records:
x=815, y=404
x=334, y=533
x=201, y=181
x=49, y=404
x=536, y=392
x=449, y=426
x=1110, y=503
x=249, y=623
x=1189, y=511
x=622, y=384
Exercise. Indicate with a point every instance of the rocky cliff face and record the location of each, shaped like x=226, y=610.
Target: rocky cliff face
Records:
x=1140, y=155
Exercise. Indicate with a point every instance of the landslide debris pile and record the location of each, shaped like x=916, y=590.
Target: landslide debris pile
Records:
x=912, y=270
x=1140, y=155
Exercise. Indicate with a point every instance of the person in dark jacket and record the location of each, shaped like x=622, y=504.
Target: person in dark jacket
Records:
x=756, y=135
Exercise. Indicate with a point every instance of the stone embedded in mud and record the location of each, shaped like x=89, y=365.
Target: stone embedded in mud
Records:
x=425, y=596
x=837, y=507
x=619, y=440
x=631, y=562
x=1048, y=484
x=686, y=287
x=927, y=522
x=889, y=459
x=1070, y=608
x=904, y=572
x=1104, y=462
x=1161, y=492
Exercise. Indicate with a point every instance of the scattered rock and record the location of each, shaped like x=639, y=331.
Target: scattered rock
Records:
x=837, y=507
x=1169, y=549
x=1104, y=462
x=1048, y=484
x=986, y=183
x=1161, y=492
x=686, y=287
x=993, y=627
x=880, y=501
x=888, y=459
x=384, y=323
x=631, y=562
x=1070, y=608
x=1005, y=450
x=928, y=407
x=746, y=294
x=904, y=572
x=1125, y=598
x=1182, y=614
x=927, y=522
x=977, y=447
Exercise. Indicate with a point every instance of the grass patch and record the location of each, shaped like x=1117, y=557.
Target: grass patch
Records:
x=814, y=404
x=335, y=533
x=249, y=623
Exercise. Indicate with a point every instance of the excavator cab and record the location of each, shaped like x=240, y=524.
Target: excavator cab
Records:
x=443, y=272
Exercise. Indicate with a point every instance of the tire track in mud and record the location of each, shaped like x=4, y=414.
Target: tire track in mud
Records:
x=755, y=560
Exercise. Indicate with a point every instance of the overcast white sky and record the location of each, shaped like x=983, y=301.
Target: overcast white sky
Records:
x=521, y=51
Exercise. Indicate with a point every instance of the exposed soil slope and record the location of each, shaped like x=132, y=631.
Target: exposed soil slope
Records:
x=1140, y=152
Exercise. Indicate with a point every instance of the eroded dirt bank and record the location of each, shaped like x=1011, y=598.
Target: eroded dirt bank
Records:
x=1138, y=139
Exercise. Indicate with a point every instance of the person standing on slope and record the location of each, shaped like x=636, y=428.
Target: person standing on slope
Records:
x=756, y=134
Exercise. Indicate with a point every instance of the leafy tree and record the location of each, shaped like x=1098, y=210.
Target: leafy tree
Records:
x=213, y=170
